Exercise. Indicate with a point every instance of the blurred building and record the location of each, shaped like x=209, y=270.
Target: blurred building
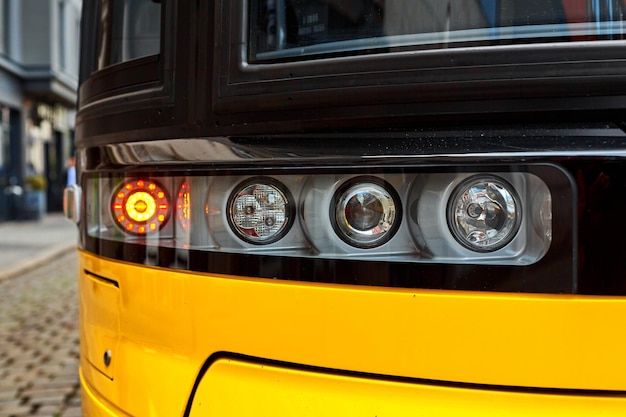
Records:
x=39, y=41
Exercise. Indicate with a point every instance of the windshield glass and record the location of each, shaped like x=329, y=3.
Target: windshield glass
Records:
x=301, y=29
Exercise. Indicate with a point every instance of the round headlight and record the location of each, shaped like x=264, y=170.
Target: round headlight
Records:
x=260, y=211
x=366, y=212
x=484, y=213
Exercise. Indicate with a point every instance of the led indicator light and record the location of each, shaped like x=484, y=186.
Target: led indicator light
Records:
x=140, y=207
x=183, y=206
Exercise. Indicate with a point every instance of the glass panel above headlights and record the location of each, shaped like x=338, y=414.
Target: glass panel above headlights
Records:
x=416, y=217
x=293, y=29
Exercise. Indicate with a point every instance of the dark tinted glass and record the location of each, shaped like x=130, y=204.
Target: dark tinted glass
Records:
x=136, y=29
x=296, y=29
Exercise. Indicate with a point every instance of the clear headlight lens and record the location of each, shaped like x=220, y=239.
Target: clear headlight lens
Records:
x=365, y=214
x=484, y=213
x=260, y=211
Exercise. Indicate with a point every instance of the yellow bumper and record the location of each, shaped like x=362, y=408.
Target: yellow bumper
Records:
x=161, y=329
x=238, y=388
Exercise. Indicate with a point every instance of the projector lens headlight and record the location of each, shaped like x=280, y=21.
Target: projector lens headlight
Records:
x=366, y=212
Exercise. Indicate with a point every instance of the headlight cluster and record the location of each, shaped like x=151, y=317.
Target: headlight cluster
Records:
x=420, y=217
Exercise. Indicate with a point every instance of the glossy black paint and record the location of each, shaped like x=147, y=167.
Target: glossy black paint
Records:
x=199, y=108
x=200, y=85
x=602, y=229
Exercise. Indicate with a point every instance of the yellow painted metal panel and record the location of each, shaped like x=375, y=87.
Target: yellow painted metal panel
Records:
x=234, y=388
x=99, y=322
x=93, y=404
x=170, y=322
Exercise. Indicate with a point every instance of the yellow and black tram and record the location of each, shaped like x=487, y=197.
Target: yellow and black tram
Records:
x=352, y=207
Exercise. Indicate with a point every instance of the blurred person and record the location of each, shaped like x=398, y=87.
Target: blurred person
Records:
x=71, y=171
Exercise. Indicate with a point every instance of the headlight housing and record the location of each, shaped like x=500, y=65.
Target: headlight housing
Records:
x=414, y=217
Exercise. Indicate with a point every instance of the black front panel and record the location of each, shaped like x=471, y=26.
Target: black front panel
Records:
x=584, y=174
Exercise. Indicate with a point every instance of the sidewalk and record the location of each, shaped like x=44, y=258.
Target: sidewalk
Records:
x=25, y=245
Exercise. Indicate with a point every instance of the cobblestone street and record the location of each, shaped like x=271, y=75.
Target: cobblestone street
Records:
x=39, y=341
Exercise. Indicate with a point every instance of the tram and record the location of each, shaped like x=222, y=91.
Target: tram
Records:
x=352, y=207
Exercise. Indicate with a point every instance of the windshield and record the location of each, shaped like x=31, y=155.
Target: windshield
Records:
x=301, y=29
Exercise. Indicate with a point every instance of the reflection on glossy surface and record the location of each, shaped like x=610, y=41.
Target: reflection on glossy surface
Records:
x=369, y=148
x=292, y=28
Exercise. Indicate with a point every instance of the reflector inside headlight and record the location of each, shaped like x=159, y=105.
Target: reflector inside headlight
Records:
x=484, y=213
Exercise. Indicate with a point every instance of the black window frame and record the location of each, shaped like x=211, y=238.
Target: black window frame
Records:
x=151, y=74
x=518, y=78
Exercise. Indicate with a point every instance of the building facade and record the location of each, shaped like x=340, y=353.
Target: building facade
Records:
x=39, y=41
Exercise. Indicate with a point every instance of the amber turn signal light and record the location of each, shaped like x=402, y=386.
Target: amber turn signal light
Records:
x=140, y=207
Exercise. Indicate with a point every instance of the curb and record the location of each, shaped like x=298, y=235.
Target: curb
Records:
x=37, y=260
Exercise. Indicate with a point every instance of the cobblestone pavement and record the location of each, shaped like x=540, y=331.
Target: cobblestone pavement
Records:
x=39, y=341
